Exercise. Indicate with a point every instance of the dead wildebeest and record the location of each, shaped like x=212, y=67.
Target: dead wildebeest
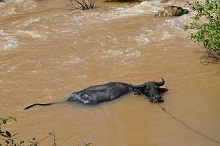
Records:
x=172, y=11
x=113, y=90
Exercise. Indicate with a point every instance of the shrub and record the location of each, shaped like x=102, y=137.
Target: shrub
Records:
x=4, y=121
x=82, y=4
x=206, y=22
x=10, y=139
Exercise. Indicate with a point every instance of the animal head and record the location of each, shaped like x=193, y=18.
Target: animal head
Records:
x=151, y=90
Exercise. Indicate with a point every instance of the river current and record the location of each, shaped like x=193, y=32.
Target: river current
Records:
x=48, y=51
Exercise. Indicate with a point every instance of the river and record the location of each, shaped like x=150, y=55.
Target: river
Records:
x=48, y=51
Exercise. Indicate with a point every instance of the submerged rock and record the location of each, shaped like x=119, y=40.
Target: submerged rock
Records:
x=172, y=11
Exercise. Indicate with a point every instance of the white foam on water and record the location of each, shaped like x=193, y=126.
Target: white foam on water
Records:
x=11, y=69
x=6, y=10
x=33, y=34
x=31, y=20
x=131, y=53
x=11, y=0
x=121, y=55
x=7, y=41
x=147, y=7
x=34, y=72
x=10, y=7
x=166, y=35
x=118, y=12
x=91, y=18
x=142, y=39
x=18, y=1
x=77, y=18
x=77, y=60
x=143, y=7
x=112, y=53
x=82, y=76
x=72, y=60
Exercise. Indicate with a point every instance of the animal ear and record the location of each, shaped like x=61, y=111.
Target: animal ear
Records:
x=161, y=83
x=163, y=90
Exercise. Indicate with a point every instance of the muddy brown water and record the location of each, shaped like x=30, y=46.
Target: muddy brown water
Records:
x=48, y=51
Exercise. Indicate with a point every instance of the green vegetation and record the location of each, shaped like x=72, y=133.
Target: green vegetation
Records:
x=6, y=134
x=9, y=139
x=207, y=25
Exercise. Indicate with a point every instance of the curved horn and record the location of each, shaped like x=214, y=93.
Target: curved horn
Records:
x=161, y=83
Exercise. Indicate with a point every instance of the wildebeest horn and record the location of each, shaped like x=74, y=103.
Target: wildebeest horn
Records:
x=161, y=83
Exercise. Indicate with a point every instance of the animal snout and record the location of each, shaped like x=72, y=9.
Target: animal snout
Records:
x=157, y=98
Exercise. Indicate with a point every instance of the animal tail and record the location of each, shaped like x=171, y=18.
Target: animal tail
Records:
x=44, y=104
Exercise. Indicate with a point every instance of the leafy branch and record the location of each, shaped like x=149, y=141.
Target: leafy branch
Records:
x=206, y=22
x=10, y=138
x=4, y=121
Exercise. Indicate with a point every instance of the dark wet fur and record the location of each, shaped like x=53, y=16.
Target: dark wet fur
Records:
x=112, y=90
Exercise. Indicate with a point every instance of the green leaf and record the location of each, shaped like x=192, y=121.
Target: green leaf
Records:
x=207, y=32
x=87, y=144
x=4, y=121
x=13, y=118
x=8, y=134
x=14, y=134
